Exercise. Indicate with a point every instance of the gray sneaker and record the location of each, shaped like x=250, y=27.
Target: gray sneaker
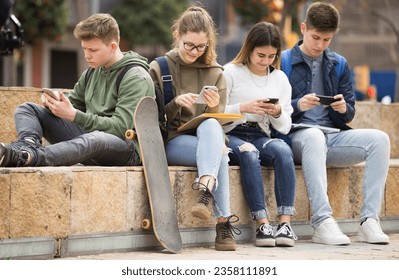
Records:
x=15, y=155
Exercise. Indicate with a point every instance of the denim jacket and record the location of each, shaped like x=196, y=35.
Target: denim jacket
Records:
x=300, y=78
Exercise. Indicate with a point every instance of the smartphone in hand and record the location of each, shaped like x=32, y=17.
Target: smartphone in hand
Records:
x=51, y=93
x=200, y=99
x=327, y=100
x=272, y=100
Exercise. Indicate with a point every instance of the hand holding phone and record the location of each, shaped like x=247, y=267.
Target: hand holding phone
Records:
x=326, y=100
x=51, y=93
x=200, y=99
x=272, y=100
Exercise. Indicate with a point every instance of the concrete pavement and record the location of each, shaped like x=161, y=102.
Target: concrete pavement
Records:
x=303, y=250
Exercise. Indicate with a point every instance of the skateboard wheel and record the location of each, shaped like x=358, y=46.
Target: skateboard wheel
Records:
x=146, y=224
x=129, y=134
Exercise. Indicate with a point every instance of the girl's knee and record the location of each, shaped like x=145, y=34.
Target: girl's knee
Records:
x=247, y=147
x=248, y=151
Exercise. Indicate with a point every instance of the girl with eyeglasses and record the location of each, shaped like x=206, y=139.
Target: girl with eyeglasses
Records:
x=192, y=65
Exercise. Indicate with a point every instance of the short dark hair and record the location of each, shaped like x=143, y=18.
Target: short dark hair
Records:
x=323, y=17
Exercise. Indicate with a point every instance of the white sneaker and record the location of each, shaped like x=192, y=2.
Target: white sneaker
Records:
x=329, y=233
x=370, y=231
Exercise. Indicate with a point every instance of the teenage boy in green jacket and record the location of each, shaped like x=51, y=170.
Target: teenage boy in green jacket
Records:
x=88, y=126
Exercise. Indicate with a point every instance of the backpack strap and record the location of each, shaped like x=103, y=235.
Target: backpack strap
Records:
x=286, y=62
x=122, y=74
x=339, y=68
x=88, y=73
x=287, y=67
x=166, y=78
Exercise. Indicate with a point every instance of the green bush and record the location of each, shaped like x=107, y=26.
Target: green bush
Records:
x=42, y=19
x=147, y=22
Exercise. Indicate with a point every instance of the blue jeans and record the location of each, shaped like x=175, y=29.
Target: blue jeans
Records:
x=206, y=151
x=71, y=144
x=315, y=151
x=263, y=151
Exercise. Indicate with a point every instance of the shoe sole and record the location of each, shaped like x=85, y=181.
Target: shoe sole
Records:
x=225, y=247
x=265, y=243
x=201, y=212
x=361, y=238
x=285, y=242
x=321, y=241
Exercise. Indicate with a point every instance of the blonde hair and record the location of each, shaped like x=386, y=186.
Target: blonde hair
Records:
x=101, y=26
x=196, y=19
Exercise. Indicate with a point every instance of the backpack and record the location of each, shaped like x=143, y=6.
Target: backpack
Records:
x=161, y=101
x=287, y=67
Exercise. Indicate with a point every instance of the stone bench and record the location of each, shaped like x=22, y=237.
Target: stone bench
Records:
x=47, y=212
x=82, y=209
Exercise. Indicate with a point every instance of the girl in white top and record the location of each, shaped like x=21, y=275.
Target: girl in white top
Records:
x=258, y=90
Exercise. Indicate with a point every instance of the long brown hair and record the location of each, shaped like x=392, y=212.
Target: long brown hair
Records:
x=261, y=34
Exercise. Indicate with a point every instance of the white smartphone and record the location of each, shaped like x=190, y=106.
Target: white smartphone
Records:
x=200, y=99
x=51, y=93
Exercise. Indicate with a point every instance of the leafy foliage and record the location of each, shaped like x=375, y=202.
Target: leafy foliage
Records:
x=253, y=11
x=148, y=22
x=43, y=19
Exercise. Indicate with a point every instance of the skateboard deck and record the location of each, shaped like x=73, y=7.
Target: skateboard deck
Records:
x=156, y=173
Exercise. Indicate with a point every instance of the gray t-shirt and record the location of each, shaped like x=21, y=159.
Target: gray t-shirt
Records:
x=317, y=115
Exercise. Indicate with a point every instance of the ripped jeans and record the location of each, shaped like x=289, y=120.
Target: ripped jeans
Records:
x=253, y=149
x=206, y=151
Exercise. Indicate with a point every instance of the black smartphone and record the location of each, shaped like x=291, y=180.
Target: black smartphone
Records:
x=272, y=100
x=327, y=100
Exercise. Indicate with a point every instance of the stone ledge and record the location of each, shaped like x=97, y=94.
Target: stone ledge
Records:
x=60, y=202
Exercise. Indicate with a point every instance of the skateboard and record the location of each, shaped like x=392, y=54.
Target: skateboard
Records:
x=162, y=204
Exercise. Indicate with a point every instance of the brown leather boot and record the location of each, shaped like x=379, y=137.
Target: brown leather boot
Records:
x=201, y=209
x=224, y=235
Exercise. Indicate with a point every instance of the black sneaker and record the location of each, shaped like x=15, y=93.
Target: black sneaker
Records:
x=201, y=209
x=224, y=240
x=264, y=236
x=285, y=236
x=14, y=155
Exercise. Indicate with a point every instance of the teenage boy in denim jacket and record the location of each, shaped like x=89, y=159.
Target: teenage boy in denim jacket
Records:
x=313, y=70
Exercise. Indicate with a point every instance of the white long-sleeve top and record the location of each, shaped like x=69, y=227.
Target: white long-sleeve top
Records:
x=242, y=86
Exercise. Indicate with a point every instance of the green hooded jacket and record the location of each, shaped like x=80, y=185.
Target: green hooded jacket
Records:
x=100, y=107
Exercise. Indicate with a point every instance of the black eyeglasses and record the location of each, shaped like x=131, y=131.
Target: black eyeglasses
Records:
x=190, y=47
